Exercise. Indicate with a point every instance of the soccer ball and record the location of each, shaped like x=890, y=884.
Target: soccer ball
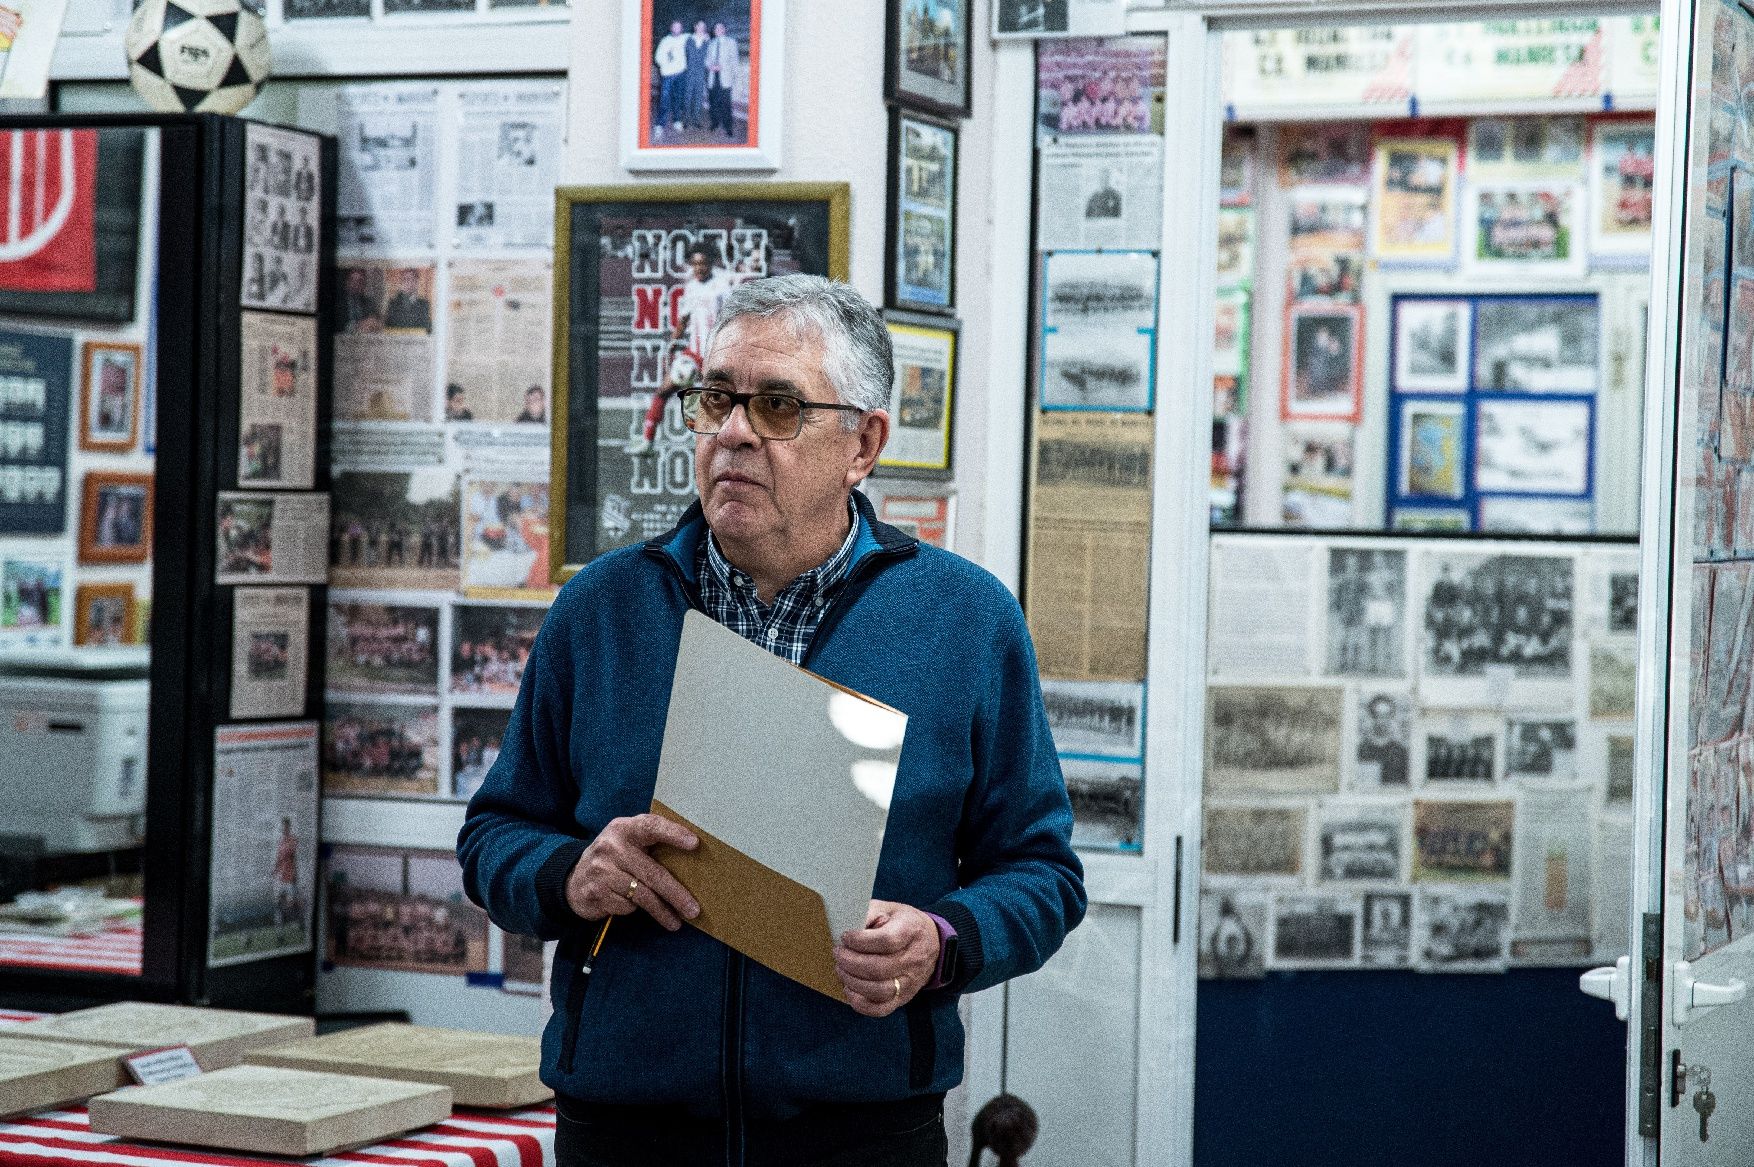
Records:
x=197, y=56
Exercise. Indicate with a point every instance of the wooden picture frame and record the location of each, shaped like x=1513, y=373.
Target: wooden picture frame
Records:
x=922, y=402
x=754, y=105
x=631, y=245
x=115, y=518
x=919, y=271
x=927, y=62
x=110, y=385
x=93, y=601
x=1323, y=372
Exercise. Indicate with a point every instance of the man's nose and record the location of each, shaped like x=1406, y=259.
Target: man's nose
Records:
x=737, y=430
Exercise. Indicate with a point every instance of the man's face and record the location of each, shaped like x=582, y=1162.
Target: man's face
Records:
x=675, y=28
x=766, y=495
x=719, y=29
x=699, y=265
x=533, y=400
x=411, y=284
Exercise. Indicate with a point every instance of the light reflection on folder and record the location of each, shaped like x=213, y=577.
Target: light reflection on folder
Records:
x=787, y=778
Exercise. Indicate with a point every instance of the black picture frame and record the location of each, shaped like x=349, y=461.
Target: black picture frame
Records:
x=911, y=87
x=631, y=243
x=919, y=255
x=922, y=417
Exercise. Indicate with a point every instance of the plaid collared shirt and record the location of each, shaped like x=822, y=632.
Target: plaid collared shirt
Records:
x=785, y=629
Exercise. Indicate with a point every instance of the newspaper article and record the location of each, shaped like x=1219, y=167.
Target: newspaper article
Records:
x=1101, y=192
x=1554, y=857
x=1387, y=940
x=1108, y=803
x=508, y=151
x=264, y=844
x=272, y=538
x=1367, y=612
x=1103, y=719
x=1497, y=630
x=505, y=539
x=282, y=177
x=270, y=651
x=1462, y=929
x=1315, y=931
x=498, y=358
x=277, y=416
x=1090, y=543
x=383, y=342
x=389, y=167
x=1360, y=842
x=1263, y=622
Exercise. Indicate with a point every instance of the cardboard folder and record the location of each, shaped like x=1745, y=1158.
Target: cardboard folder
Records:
x=786, y=778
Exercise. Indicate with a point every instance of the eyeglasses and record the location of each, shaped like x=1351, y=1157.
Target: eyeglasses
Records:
x=778, y=417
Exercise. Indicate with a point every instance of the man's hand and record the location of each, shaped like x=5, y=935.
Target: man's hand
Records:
x=885, y=964
x=616, y=874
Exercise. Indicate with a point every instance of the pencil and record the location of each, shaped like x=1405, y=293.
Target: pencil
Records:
x=590, y=960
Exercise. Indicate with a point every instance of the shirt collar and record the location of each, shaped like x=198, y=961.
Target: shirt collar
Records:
x=817, y=580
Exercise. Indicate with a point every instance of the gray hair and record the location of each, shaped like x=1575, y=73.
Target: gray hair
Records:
x=859, y=360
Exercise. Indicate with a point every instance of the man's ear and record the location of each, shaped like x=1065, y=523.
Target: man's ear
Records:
x=873, y=435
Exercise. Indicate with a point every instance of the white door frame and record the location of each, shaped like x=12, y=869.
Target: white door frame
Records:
x=1167, y=892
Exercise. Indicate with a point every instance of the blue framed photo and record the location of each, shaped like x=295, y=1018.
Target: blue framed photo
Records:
x=922, y=213
x=1099, y=330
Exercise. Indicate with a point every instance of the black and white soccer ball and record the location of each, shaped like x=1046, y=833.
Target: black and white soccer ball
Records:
x=197, y=56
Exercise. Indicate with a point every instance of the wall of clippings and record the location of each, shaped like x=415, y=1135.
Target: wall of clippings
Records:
x=1432, y=324
x=76, y=404
x=1419, y=754
x=1099, y=183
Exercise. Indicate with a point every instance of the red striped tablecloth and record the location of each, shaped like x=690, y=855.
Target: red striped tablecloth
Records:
x=469, y=1138
x=114, y=950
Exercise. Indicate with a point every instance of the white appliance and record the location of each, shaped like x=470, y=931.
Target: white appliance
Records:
x=73, y=761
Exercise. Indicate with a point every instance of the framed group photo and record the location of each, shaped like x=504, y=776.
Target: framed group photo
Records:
x=639, y=274
x=922, y=401
x=927, y=65
x=109, y=398
x=103, y=614
x=920, y=274
x=703, y=84
x=115, y=518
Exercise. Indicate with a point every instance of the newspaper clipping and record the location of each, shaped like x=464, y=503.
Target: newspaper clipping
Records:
x=1360, y=842
x=1273, y=739
x=282, y=178
x=1102, y=719
x=1553, y=865
x=396, y=530
x=389, y=167
x=277, y=416
x=1233, y=936
x=1108, y=803
x=401, y=910
x=384, y=346
x=271, y=538
x=508, y=150
x=1315, y=931
x=1101, y=192
x=1254, y=841
x=382, y=648
x=498, y=355
x=271, y=631
x=1388, y=930
x=264, y=846
x=1262, y=619
x=1462, y=930
x=1090, y=542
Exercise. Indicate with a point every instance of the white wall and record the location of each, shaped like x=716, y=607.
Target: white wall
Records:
x=836, y=130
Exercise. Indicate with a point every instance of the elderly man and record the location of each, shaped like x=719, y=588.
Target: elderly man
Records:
x=676, y=1049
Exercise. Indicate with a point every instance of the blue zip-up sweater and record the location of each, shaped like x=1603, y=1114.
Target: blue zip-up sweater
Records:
x=979, y=831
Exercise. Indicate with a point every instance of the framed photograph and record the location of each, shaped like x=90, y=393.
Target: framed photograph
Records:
x=922, y=214
x=622, y=462
x=1534, y=446
x=928, y=63
x=115, y=518
x=103, y=614
x=922, y=402
x=702, y=84
x=1622, y=183
x=1433, y=450
x=109, y=399
x=1415, y=199
x=77, y=246
x=1033, y=19
x=1525, y=229
x=1110, y=86
x=1431, y=345
x=1538, y=344
x=1324, y=371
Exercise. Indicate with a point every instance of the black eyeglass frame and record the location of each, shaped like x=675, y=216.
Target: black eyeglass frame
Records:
x=698, y=391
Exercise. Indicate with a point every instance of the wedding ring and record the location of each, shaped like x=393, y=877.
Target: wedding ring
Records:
x=897, y=995
x=631, y=888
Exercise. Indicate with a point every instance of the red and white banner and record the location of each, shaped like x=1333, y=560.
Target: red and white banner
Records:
x=48, y=180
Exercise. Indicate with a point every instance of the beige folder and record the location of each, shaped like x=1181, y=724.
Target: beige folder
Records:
x=786, y=778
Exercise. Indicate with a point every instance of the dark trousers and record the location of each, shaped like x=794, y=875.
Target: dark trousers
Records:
x=719, y=106
x=883, y=1134
x=672, y=98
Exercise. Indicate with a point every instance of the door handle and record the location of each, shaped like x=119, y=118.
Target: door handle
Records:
x=1610, y=983
x=1693, y=996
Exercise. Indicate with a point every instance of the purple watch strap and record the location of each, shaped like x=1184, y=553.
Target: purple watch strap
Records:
x=945, y=934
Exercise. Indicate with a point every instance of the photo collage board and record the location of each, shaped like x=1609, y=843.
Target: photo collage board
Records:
x=1473, y=211
x=1492, y=413
x=1419, y=754
x=437, y=541
x=1099, y=227
x=76, y=387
